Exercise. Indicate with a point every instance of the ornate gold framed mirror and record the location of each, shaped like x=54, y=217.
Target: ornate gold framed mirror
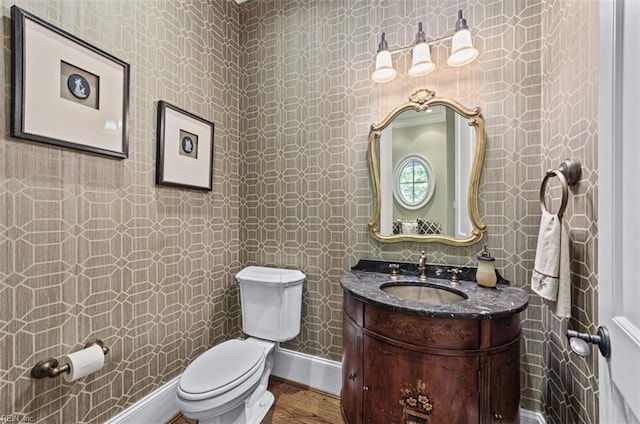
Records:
x=425, y=159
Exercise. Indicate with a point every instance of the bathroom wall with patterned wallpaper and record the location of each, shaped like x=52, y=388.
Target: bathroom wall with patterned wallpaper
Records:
x=307, y=103
x=91, y=247
x=569, y=129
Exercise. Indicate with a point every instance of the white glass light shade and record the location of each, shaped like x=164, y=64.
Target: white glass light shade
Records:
x=384, y=68
x=421, y=64
x=462, y=51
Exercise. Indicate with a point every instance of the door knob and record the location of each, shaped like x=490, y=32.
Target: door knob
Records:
x=579, y=342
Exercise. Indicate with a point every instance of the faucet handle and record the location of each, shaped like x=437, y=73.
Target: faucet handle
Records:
x=395, y=270
x=455, y=276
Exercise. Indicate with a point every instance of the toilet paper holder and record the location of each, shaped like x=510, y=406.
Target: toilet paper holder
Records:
x=49, y=367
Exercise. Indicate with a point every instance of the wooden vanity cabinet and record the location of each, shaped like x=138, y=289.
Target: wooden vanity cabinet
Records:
x=352, y=362
x=470, y=368
x=503, y=385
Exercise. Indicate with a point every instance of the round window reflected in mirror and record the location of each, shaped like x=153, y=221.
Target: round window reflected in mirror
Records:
x=414, y=182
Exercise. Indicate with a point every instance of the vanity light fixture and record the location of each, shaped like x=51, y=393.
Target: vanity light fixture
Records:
x=421, y=63
x=384, y=68
x=462, y=52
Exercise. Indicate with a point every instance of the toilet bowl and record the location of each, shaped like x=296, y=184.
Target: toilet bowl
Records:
x=228, y=383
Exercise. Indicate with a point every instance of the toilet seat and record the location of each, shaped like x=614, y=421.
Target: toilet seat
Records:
x=221, y=369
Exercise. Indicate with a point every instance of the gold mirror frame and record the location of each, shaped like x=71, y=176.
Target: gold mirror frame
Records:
x=419, y=101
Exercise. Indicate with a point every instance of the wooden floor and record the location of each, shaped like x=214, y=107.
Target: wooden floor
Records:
x=294, y=405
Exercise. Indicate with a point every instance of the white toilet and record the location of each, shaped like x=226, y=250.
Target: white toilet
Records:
x=228, y=383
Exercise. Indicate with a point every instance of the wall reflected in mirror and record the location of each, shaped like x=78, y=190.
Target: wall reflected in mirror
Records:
x=426, y=165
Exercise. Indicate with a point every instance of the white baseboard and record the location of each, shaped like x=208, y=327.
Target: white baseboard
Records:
x=318, y=373
x=157, y=407
x=321, y=374
x=530, y=417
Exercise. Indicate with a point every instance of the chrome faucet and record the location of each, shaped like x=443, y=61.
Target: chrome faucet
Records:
x=422, y=266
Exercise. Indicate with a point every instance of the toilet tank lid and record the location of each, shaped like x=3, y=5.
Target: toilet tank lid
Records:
x=268, y=275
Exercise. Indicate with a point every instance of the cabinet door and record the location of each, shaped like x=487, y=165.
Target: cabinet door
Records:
x=504, y=386
x=352, y=378
x=451, y=383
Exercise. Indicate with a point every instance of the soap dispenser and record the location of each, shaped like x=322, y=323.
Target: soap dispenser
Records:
x=486, y=275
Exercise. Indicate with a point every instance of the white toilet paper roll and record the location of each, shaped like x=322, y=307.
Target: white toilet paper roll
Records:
x=83, y=362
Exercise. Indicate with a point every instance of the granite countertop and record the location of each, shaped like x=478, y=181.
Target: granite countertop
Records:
x=481, y=302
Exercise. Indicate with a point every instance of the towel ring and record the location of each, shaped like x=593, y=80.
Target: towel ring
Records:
x=565, y=190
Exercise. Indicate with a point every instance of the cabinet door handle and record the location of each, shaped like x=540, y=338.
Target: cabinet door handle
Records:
x=365, y=389
x=352, y=376
x=497, y=417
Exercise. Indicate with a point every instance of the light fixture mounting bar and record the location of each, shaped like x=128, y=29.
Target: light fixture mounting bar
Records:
x=435, y=40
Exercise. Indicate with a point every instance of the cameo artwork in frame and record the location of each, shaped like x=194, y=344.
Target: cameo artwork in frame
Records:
x=184, y=149
x=65, y=91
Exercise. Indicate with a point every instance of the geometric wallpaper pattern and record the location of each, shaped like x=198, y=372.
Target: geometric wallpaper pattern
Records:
x=570, y=129
x=91, y=247
x=308, y=103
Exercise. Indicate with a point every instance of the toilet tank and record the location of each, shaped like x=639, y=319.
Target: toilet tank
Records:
x=271, y=301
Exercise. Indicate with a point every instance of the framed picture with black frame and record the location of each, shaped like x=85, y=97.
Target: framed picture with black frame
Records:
x=185, y=149
x=65, y=91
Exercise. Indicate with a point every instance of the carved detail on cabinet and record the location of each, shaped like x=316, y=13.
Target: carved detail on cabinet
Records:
x=416, y=402
x=380, y=350
x=423, y=331
x=416, y=397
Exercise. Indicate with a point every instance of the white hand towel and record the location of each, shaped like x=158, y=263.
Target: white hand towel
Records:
x=546, y=268
x=562, y=306
x=551, y=277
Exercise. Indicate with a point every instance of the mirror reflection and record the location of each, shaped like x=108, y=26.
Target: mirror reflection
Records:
x=426, y=159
